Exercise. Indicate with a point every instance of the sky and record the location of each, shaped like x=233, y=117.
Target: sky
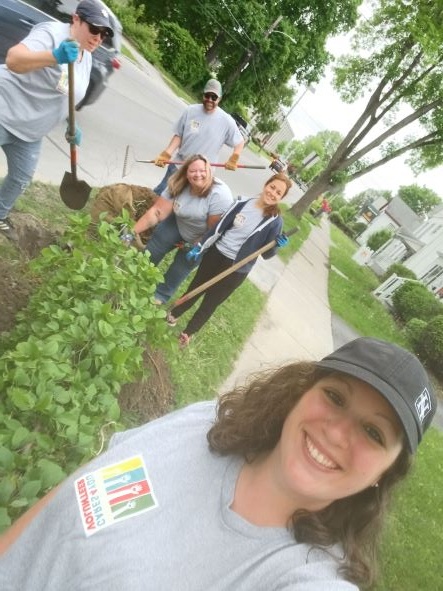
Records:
x=323, y=109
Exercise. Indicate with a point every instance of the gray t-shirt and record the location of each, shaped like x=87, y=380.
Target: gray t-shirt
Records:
x=244, y=224
x=191, y=212
x=172, y=526
x=33, y=103
x=205, y=133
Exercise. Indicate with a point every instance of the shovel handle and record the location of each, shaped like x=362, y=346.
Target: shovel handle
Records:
x=226, y=272
x=71, y=119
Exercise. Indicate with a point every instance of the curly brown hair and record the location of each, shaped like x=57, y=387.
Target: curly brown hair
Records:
x=249, y=423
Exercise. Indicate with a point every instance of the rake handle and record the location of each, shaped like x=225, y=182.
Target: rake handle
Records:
x=226, y=272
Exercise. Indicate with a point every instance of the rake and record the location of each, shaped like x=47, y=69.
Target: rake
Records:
x=130, y=159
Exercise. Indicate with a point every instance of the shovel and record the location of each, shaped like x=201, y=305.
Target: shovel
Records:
x=74, y=193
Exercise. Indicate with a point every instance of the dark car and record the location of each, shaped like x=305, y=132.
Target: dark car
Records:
x=243, y=126
x=17, y=18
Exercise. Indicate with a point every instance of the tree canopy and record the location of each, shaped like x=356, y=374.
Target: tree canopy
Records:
x=420, y=199
x=255, y=47
x=397, y=57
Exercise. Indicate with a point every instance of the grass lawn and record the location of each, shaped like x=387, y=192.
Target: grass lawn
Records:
x=411, y=549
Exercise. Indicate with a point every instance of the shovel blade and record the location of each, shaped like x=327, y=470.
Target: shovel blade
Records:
x=74, y=193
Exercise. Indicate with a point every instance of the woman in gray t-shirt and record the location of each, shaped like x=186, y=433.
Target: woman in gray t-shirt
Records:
x=193, y=203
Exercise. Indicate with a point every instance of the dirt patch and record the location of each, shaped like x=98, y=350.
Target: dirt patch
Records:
x=144, y=400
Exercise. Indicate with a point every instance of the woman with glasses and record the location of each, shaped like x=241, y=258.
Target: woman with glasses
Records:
x=202, y=129
x=193, y=203
x=34, y=92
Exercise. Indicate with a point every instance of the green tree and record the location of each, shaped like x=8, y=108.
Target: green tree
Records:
x=324, y=144
x=420, y=199
x=256, y=47
x=397, y=53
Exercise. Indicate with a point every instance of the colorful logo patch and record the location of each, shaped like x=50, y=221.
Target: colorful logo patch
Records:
x=113, y=493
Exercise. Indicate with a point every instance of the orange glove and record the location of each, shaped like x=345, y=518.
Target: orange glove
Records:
x=162, y=159
x=231, y=164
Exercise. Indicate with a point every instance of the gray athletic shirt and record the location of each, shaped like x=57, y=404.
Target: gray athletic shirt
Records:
x=205, y=133
x=188, y=539
x=191, y=212
x=33, y=103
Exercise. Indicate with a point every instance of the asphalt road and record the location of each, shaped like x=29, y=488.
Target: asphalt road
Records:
x=137, y=109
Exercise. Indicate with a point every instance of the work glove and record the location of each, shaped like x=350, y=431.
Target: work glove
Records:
x=66, y=52
x=194, y=254
x=231, y=164
x=282, y=240
x=76, y=138
x=127, y=237
x=162, y=159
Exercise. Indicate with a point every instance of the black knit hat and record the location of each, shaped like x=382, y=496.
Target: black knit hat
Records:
x=397, y=374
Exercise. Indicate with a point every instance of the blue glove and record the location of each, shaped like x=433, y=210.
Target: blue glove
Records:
x=76, y=138
x=127, y=238
x=66, y=52
x=282, y=240
x=194, y=253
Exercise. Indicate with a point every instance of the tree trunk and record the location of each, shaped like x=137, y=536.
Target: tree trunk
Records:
x=321, y=185
x=212, y=53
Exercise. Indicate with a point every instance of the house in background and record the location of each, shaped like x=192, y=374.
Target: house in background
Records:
x=391, y=216
x=421, y=251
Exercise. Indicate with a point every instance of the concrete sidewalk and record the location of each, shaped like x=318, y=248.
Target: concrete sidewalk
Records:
x=296, y=321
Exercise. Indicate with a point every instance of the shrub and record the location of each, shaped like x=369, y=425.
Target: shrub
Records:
x=414, y=330
x=180, y=54
x=431, y=343
x=336, y=219
x=135, y=28
x=81, y=337
x=413, y=300
x=400, y=270
x=358, y=227
x=377, y=239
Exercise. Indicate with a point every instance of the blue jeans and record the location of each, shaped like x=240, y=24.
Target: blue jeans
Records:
x=164, y=182
x=21, y=158
x=163, y=240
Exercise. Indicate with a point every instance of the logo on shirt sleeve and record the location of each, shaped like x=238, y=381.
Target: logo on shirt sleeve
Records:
x=113, y=493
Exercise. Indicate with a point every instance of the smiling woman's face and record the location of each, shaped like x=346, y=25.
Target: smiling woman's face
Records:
x=197, y=175
x=338, y=440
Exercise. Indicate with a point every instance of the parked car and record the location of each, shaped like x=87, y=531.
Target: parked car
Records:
x=243, y=126
x=18, y=17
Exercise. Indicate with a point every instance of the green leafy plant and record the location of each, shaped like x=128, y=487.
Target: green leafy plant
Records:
x=377, y=239
x=400, y=270
x=80, y=338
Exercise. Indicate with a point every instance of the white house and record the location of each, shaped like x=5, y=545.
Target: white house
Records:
x=420, y=250
x=392, y=216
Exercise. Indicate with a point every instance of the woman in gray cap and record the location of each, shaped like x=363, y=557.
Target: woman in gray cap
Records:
x=34, y=92
x=281, y=484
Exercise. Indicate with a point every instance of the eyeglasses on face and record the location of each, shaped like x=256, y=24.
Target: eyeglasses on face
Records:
x=97, y=30
x=210, y=96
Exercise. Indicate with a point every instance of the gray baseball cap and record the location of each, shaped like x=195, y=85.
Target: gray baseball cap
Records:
x=397, y=374
x=214, y=86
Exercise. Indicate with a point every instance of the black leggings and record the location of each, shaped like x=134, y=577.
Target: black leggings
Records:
x=213, y=263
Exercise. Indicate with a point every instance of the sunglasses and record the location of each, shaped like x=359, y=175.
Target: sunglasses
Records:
x=97, y=30
x=211, y=96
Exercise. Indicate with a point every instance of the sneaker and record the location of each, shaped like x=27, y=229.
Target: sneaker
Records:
x=157, y=302
x=183, y=340
x=7, y=229
x=170, y=319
